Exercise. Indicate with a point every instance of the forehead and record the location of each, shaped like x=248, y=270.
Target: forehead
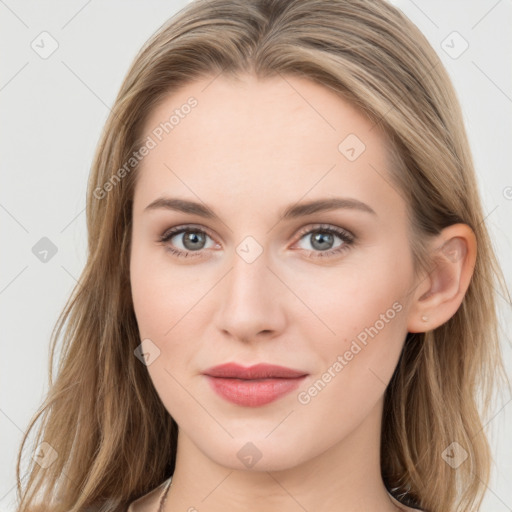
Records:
x=281, y=138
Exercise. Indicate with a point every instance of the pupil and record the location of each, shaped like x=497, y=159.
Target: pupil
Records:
x=193, y=238
x=322, y=240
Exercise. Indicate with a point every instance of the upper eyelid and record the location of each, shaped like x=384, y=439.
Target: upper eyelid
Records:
x=175, y=230
x=326, y=227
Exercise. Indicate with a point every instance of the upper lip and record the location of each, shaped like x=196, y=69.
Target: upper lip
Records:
x=258, y=371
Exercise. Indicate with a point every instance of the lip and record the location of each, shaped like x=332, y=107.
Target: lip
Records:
x=257, y=371
x=253, y=386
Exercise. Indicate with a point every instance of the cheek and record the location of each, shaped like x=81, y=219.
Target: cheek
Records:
x=360, y=324
x=149, y=300
x=343, y=302
x=161, y=302
x=159, y=296
x=357, y=362
x=167, y=304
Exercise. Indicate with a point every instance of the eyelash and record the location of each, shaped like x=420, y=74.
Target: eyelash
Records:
x=347, y=238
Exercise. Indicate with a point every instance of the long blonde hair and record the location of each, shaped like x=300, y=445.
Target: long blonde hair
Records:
x=113, y=437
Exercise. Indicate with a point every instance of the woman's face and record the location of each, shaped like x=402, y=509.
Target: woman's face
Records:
x=322, y=291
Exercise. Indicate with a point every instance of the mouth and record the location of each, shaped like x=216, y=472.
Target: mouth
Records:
x=253, y=386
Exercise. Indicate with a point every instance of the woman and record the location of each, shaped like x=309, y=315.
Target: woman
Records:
x=288, y=298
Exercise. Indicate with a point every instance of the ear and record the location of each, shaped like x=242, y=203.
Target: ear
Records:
x=439, y=293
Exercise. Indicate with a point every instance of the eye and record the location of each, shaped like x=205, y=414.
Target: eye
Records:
x=322, y=240
x=191, y=239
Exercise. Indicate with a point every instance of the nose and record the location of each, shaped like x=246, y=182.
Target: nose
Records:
x=251, y=301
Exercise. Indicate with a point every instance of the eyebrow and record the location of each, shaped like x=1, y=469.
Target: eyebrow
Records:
x=291, y=212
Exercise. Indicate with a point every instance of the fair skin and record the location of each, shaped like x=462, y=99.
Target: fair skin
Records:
x=248, y=150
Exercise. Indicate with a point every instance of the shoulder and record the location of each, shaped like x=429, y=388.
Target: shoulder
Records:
x=402, y=507
x=149, y=502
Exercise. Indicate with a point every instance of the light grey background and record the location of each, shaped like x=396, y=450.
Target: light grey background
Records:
x=53, y=110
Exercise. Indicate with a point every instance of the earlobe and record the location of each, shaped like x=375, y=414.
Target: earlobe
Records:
x=439, y=294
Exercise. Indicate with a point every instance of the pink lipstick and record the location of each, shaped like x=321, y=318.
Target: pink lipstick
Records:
x=255, y=385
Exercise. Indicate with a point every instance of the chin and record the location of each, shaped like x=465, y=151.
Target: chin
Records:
x=255, y=453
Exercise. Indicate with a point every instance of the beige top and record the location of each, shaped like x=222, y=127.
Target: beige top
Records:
x=150, y=501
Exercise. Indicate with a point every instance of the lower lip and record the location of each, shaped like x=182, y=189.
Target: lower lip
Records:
x=253, y=393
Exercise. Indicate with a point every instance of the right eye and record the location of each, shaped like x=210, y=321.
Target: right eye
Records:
x=191, y=239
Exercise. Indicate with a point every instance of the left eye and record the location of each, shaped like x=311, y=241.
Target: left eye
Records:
x=322, y=239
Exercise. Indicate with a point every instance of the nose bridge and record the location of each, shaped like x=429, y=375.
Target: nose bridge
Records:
x=248, y=301
x=248, y=281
